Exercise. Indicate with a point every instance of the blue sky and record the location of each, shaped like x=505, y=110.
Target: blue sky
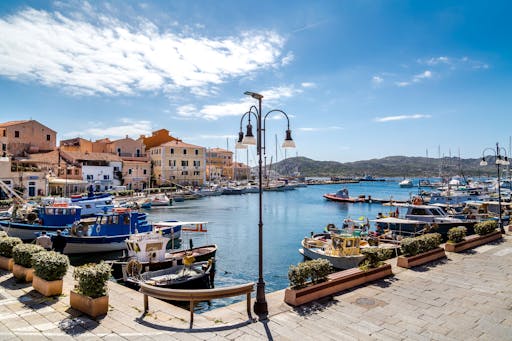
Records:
x=359, y=79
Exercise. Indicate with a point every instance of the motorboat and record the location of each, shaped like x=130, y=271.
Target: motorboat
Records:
x=406, y=183
x=342, y=196
x=343, y=251
x=159, y=200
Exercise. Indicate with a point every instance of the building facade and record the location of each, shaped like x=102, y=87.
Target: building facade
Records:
x=180, y=163
x=219, y=164
x=19, y=138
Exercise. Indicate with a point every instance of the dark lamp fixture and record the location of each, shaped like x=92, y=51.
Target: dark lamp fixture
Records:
x=288, y=141
x=483, y=162
x=249, y=138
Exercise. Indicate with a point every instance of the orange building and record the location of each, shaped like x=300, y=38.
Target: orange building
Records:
x=18, y=138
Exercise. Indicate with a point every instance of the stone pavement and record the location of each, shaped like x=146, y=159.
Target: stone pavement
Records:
x=466, y=297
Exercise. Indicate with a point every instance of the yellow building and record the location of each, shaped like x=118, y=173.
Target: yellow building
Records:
x=219, y=164
x=177, y=162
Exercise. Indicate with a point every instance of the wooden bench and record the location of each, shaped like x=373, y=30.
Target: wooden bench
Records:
x=196, y=295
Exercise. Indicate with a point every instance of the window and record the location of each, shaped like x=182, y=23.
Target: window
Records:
x=48, y=137
x=172, y=150
x=16, y=133
x=4, y=133
x=145, y=171
x=106, y=177
x=184, y=173
x=137, y=153
x=197, y=163
x=184, y=163
x=119, y=151
x=196, y=151
x=130, y=171
x=4, y=147
x=116, y=169
x=184, y=152
x=89, y=177
x=197, y=173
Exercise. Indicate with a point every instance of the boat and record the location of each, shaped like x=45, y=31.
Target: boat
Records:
x=160, y=200
x=197, y=275
x=150, y=250
x=26, y=223
x=343, y=251
x=406, y=183
x=233, y=191
x=342, y=196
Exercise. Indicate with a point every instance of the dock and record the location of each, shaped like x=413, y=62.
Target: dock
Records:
x=442, y=300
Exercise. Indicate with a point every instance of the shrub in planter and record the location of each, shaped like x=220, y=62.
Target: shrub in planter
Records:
x=92, y=279
x=50, y=265
x=6, y=245
x=23, y=254
x=374, y=257
x=409, y=246
x=486, y=227
x=314, y=270
x=319, y=269
x=297, y=276
x=456, y=234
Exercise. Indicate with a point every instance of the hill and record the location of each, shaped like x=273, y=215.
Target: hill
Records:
x=390, y=166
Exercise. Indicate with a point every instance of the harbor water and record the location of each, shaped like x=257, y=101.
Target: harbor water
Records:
x=288, y=217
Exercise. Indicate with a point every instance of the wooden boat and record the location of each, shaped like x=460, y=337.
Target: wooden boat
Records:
x=342, y=251
x=198, y=275
x=342, y=196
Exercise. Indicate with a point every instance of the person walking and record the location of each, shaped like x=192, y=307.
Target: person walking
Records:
x=44, y=241
x=59, y=242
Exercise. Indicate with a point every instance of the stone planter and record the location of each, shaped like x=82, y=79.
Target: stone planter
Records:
x=47, y=288
x=6, y=263
x=422, y=258
x=335, y=283
x=22, y=273
x=91, y=306
x=472, y=241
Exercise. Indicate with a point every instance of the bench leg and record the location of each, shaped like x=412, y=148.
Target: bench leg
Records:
x=249, y=306
x=191, y=313
x=146, y=303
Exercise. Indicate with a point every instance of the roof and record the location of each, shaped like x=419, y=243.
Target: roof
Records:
x=91, y=156
x=12, y=123
x=181, y=144
x=50, y=157
x=219, y=150
x=390, y=220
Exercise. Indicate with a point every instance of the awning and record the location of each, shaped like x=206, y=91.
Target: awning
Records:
x=59, y=181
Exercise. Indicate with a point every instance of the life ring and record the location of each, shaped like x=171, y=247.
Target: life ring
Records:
x=133, y=268
x=98, y=228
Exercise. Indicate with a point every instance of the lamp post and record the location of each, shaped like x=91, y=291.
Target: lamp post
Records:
x=260, y=305
x=500, y=160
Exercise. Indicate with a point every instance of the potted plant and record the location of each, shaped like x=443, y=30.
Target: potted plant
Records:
x=22, y=255
x=49, y=269
x=90, y=293
x=6, y=245
x=486, y=231
x=420, y=250
x=322, y=283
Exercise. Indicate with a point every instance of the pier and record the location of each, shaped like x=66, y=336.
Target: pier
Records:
x=442, y=300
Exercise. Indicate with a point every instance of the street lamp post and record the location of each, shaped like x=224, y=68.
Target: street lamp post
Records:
x=500, y=160
x=260, y=305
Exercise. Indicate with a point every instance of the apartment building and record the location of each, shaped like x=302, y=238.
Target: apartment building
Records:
x=177, y=162
x=219, y=164
x=19, y=138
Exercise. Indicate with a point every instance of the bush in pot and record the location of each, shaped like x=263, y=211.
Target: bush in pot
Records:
x=6, y=245
x=409, y=247
x=486, y=227
x=374, y=257
x=49, y=269
x=90, y=293
x=22, y=255
x=315, y=270
x=456, y=234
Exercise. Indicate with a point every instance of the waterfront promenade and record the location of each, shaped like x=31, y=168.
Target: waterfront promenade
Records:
x=465, y=297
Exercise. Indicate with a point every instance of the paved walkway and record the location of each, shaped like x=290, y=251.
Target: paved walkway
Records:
x=466, y=297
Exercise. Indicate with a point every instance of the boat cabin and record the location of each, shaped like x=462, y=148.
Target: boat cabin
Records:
x=58, y=214
x=147, y=247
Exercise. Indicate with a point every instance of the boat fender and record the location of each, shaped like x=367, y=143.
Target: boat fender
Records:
x=98, y=228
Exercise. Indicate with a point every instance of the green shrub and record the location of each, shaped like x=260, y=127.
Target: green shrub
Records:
x=314, y=270
x=3, y=234
x=6, y=245
x=456, y=234
x=375, y=257
x=22, y=254
x=486, y=227
x=409, y=246
x=92, y=279
x=50, y=265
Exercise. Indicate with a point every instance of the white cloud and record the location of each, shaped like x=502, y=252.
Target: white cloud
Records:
x=130, y=127
x=111, y=57
x=308, y=85
x=424, y=75
x=288, y=58
x=454, y=62
x=401, y=117
x=377, y=80
x=314, y=129
x=402, y=84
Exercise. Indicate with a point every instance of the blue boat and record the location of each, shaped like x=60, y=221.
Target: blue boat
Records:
x=110, y=230
x=50, y=218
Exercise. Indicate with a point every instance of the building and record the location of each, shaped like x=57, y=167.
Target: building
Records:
x=177, y=162
x=157, y=138
x=19, y=138
x=241, y=171
x=219, y=164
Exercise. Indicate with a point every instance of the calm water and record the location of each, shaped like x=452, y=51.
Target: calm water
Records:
x=287, y=218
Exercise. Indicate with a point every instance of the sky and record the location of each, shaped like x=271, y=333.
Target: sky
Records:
x=358, y=79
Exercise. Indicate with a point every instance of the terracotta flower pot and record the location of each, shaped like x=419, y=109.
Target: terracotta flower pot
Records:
x=335, y=283
x=22, y=273
x=472, y=241
x=47, y=288
x=91, y=306
x=6, y=263
x=422, y=258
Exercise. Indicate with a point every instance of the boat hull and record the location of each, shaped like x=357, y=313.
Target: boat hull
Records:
x=333, y=197
x=27, y=232
x=342, y=263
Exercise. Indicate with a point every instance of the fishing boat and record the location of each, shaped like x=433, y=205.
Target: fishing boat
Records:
x=193, y=275
x=151, y=250
x=342, y=196
x=26, y=223
x=343, y=251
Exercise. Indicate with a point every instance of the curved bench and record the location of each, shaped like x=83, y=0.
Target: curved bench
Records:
x=195, y=295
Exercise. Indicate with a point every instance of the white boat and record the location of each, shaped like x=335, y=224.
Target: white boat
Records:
x=406, y=183
x=160, y=199
x=342, y=251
